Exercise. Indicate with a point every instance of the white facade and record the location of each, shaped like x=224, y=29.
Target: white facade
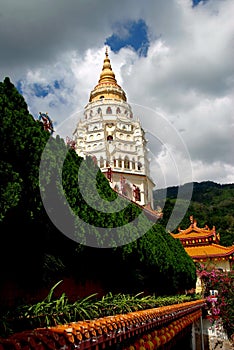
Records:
x=110, y=133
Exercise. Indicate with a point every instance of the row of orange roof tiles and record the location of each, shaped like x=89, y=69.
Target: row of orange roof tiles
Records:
x=102, y=332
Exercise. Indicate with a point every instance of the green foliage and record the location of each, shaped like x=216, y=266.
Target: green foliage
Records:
x=52, y=311
x=211, y=204
x=38, y=179
x=176, y=272
x=10, y=188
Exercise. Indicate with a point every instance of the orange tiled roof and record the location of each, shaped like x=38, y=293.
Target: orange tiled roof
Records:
x=192, y=234
x=107, y=331
x=195, y=232
x=212, y=250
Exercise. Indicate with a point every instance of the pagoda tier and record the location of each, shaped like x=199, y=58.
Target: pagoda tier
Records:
x=214, y=251
x=196, y=236
x=115, y=139
x=201, y=244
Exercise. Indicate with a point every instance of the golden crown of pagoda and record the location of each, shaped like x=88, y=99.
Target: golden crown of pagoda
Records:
x=107, y=86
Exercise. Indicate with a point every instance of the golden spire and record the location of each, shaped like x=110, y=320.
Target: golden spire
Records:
x=107, y=86
x=107, y=75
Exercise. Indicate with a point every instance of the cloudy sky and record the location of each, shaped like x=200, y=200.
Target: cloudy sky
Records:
x=173, y=58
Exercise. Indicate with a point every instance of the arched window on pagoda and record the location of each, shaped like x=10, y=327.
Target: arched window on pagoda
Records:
x=108, y=110
x=109, y=174
x=133, y=164
x=126, y=163
x=101, y=162
x=94, y=158
x=139, y=166
x=99, y=110
x=114, y=161
x=118, y=111
x=109, y=138
x=137, y=193
x=120, y=162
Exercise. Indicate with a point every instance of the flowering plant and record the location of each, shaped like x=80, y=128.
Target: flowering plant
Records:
x=222, y=305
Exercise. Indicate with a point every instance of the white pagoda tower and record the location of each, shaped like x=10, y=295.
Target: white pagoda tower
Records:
x=115, y=139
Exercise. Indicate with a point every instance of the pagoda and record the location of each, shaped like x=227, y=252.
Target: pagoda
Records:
x=202, y=245
x=109, y=133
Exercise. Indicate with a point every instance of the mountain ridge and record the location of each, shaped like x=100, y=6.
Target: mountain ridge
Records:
x=210, y=203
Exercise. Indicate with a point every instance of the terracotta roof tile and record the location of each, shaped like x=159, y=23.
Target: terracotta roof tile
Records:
x=211, y=250
x=192, y=234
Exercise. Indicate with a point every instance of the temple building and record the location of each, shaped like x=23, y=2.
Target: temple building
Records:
x=202, y=245
x=111, y=135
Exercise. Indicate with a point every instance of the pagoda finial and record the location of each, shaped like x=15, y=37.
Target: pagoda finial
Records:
x=107, y=75
x=107, y=84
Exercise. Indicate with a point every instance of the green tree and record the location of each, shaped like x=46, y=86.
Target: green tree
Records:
x=211, y=204
x=39, y=178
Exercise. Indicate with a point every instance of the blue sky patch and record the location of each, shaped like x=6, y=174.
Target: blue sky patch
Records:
x=19, y=86
x=196, y=2
x=57, y=84
x=131, y=33
x=41, y=91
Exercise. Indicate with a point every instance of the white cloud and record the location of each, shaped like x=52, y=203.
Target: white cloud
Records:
x=187, y=76
x=216, y=171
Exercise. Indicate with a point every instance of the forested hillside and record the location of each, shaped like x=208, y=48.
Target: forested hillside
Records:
x=36, y=253
x=211, y=204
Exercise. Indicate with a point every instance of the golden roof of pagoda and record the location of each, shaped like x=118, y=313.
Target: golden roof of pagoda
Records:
x=107, y=86
x=194, y=232
x=208, y=251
